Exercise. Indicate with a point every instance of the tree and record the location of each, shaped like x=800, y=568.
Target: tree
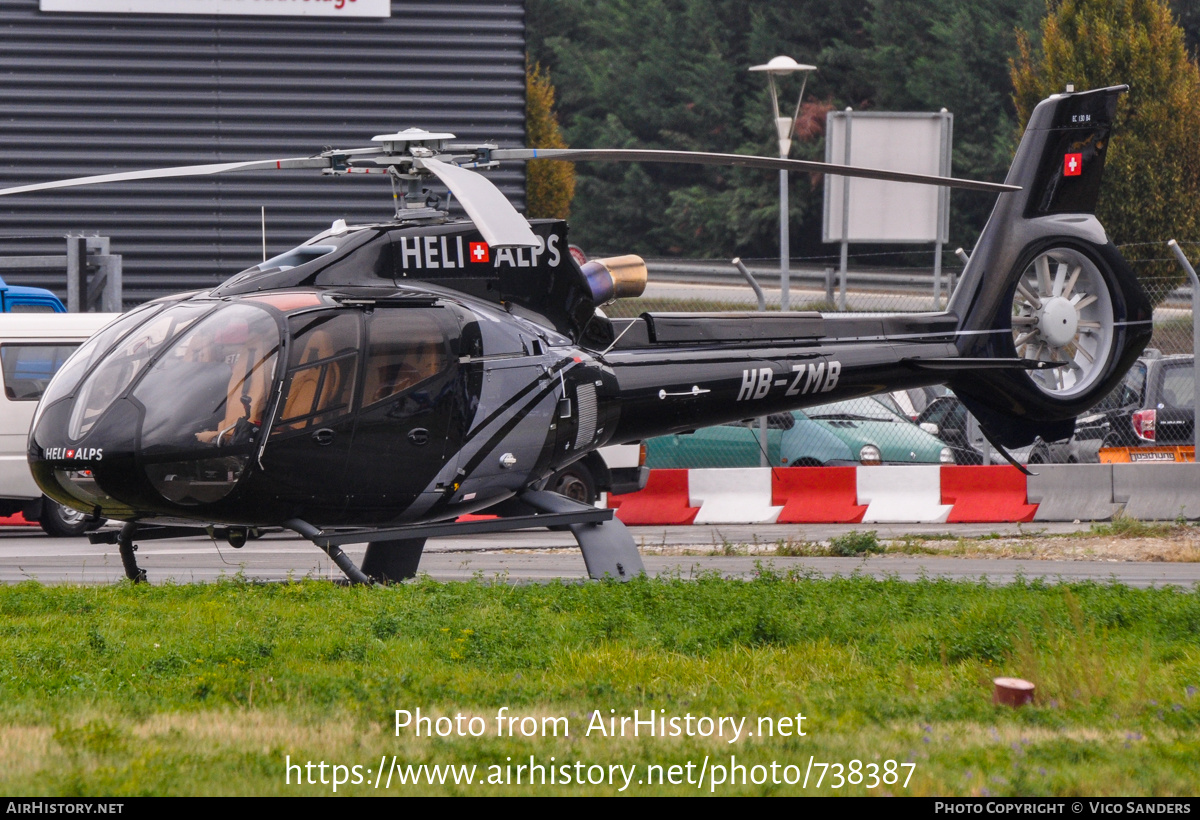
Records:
x=1188, y=15
x=1152, y=173
x=549, y=185
x=932, y=54
x=636, y=73
x=673, y=74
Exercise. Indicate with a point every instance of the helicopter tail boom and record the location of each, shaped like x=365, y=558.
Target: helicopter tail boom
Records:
x=1046, y=285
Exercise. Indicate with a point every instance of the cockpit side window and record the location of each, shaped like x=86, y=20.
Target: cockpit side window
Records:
x=406, y=347
x=203, y=401
x=322, y=370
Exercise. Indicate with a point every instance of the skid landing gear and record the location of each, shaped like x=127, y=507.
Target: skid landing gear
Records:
x=608, y=548
x=393, y=554
x=143, y=532
x=392, y=561
x=236, y=536
x=127, y=549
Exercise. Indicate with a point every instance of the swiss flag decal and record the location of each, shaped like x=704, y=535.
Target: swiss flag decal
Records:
x=479, y=252
x=1072, y=165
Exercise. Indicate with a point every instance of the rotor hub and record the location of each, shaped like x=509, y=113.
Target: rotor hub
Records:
x=1058, y=321
x=1063, y=316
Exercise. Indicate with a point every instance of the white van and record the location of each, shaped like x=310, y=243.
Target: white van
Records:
x=33, y=346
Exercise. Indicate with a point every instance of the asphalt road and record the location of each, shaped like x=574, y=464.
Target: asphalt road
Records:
x=540, y=556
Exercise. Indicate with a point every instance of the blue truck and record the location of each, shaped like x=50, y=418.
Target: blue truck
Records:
x=20, y=299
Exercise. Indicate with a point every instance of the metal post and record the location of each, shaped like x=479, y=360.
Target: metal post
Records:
x=109, y=267
x=785, y=245
x=943, y=210
x=845, y=214
x=76, y=273
x=97, y=263
x=1191, y=272
x=937, y=276
x=784, y=128
x=841, y=305
x=762, y=307
x=104, y=293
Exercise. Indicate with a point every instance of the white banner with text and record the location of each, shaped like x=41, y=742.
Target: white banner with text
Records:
x=292, y=8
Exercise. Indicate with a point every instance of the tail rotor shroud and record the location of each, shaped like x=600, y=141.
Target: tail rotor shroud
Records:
x=1046, y=284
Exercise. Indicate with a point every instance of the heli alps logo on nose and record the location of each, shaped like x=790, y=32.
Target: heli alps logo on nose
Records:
x=74, y=453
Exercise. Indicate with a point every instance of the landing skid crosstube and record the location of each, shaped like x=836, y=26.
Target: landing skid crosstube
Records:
x=394, y=553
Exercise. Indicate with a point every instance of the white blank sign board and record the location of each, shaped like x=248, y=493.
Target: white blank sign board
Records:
x=888, y=211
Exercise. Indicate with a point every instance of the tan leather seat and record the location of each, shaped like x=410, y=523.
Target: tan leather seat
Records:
x=302, y=395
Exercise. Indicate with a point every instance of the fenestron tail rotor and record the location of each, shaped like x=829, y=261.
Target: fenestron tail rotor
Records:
x=1062, y=313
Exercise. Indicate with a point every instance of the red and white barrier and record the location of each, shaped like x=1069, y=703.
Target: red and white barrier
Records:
x=664, y=500
x=902, y=495
x=736, y=496
x=816, y=495
x=829, y=495
x=982, y=495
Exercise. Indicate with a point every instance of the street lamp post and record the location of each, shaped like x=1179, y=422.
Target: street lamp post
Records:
x=784, y=128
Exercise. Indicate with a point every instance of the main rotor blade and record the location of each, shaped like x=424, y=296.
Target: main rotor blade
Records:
x=490, y=210
x=179, y=171
x=749, y=161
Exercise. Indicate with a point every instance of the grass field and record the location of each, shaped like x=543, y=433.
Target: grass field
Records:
x=213, y=690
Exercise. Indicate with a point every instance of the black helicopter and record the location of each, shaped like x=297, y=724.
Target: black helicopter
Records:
x=379, y=381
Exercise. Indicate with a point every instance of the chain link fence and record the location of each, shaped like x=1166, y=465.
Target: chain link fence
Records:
x=925, y=426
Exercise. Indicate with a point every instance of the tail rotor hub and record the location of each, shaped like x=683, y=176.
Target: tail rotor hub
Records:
x=1058, y=322
x=1062, y=314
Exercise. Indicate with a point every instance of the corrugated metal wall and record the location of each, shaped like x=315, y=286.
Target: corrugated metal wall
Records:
x=85, y=94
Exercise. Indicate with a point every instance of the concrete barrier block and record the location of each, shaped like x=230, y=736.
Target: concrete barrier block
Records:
x=664, y=501
x=816, y=495
x=896, y=495
x=737, y=496
x=985, y=494
x=1071, y=492
x=1158, y=492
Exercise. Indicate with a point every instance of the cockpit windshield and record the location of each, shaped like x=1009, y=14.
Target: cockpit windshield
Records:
x=73, y=370
x=126, y=361
x=210, y=389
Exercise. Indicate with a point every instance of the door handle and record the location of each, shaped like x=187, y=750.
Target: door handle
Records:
x=323, y=437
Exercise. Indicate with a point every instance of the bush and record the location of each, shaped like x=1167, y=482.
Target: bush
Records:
x=855, y=543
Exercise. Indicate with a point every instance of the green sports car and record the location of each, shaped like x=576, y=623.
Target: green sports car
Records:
x=855, y=432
